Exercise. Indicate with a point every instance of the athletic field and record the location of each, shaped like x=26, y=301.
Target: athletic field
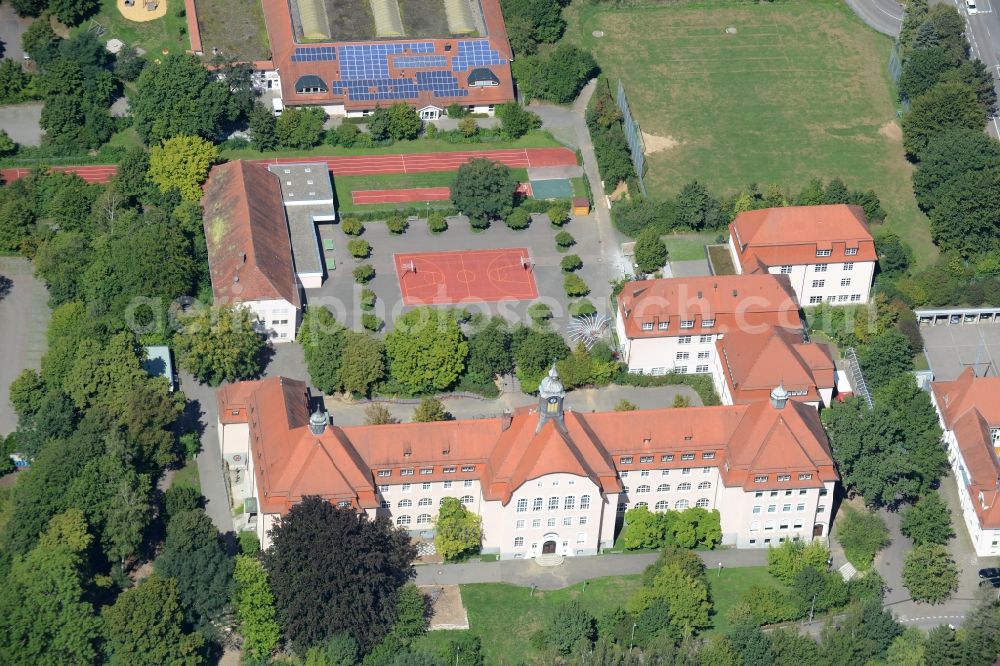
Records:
x=800, y=90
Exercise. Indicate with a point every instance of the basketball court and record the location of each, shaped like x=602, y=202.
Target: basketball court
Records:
x=441, y=278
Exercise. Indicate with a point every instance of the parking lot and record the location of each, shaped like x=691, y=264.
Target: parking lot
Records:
x=951, y=348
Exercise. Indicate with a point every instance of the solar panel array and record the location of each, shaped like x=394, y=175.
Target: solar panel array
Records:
x=420, y=62
x=314, y=54
x=442, y=84
x=377, y=89
x=371, y=61
x=475, y=53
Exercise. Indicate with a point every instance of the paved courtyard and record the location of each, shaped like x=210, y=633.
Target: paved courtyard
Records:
x=24, y=318
x=21, y=122
x=951, y=348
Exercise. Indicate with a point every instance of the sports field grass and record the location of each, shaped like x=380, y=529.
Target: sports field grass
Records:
x=801, y=90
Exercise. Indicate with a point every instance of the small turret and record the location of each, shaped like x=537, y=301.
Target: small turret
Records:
x=318, y=421
x=779, y=396
x=551, y=394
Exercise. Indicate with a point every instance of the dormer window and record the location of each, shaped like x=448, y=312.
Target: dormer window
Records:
x=663, y=325
x=995, y=435
x=647, y=326
x=760, y=478
x=825, y=253
x=707, y=323
x=851, y=251
x=687, y=323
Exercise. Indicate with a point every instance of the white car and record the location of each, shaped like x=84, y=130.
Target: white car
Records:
x=971, y=6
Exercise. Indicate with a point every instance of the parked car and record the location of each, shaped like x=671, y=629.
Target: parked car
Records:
x=990, y=582
x=992, y=572
x=971, y=6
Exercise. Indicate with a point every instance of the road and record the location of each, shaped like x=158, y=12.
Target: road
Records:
x=24, y=318
x=983, y=31
x=886, y=16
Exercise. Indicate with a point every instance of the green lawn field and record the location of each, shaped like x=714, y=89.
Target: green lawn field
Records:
x=801, y=90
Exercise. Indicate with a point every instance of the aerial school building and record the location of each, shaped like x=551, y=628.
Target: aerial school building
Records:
x=350, y=56
x=545, y=480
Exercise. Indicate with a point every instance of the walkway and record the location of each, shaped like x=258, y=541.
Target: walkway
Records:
x=573, y=570
x=886, y=16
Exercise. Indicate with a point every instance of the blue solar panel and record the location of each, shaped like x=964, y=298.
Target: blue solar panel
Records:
x=371, y=61
x=314, y=54
x=475, y=53
x=420, y=62
x=442, y=84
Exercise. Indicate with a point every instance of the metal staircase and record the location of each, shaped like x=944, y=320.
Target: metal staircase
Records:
x=857, y=377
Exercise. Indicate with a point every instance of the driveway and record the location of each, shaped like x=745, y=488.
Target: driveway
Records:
x=21, y=122
x=24, y=318
x=12, y=27
x=886, y=16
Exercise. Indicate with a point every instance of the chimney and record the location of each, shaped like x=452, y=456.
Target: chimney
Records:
x=407, y=449
x=318, y=421
x=506, y=420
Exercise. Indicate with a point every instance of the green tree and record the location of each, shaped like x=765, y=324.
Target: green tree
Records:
x=340, y=650
x=73, y=123
x=922, y=69
x=40, y=41
x=263, y=128
x=862, y=534
x=966, y=217
x=533, y=353
x=427, y=350
x=104, y=375
x=458, y=531
x=929, y=573
x=72, y=12
x=945, y=106
x=404, y=123
x=650, y=251
x=255, y=610
x=516, y=121
x=333, y=571
x=411, y=613
x=490, y=352
x=178, y=96
x=574, y=285
x=430, y=409
x=322, y=340
x=952, y=153
x=907, y=649
x=643, y=529
x=913, y=17
x=182, y=162
x=697, y=209
x=543, y=17
x=865, y=633
x=885, y=357
x=378, y=414
x=298, y=127
x=790, y=558
x=569, y=624
x=518, y=219
x=363, y=364
x=484, y=190
x=7, y=145
x=625, y=406
x=570, y=263
x=928, y=521
x=144, y=627
x=128, y=63
x=982, y=634
x=942, y=647
x=555, y=76
x=687, y=597
x=219, y=344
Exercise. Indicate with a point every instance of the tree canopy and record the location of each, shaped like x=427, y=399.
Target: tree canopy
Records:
x=182, y=162
x=458, y=531
x=427, y=350
x=220, y=344
x=484, y=190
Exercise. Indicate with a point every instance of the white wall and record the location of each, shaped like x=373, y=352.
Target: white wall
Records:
x=830, y=275
x=657, y=356
x=281, y=311
x=749, y=522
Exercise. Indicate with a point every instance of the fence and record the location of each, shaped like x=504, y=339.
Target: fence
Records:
x=896, y=70
x=633, y=134
x=856, y=377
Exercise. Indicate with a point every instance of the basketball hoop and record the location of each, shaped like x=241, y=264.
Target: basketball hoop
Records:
x=526, y=263
x=409, y=267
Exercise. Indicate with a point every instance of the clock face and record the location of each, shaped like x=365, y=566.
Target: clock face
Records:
x=553, y=400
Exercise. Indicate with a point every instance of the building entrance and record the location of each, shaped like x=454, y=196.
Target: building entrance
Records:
x=548, y=547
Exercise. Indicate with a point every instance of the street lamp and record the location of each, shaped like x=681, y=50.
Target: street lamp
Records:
x=720, y=571
x=631, y=640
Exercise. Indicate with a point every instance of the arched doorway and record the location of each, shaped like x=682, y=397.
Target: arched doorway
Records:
x=548, y=547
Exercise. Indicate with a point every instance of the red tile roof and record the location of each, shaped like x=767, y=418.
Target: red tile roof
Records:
x=735, y=302
x=970, y=407
x=342, y=464
x=249, y=251
x=280, y=32
x=754, y=363
x=793, y=234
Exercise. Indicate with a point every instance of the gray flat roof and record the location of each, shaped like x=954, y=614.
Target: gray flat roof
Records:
x=301, y=183
x=158, y=363
x=305, y=239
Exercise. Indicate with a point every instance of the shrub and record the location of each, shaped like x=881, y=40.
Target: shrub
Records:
x=862, y=534
x=371, y=322
x=650, y=251
x=568, y=625
x=364, y=273
x=378, y=414
x=625, y=406
x=570, y=263
x=359, y=249
x=539, y=312
x=479, y=224
x=397, y=224
x=558, y=212
x=564, y=239
x=575, y=286
x=582, y=308
x=367, y=299
x=352, y=226
x=436, y=223
x=518, y=219
x=787, y=560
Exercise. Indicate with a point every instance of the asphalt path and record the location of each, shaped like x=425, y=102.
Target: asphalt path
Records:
x=886, y=16
x=983, y=31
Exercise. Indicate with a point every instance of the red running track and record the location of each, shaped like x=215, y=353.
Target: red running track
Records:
x=95, y=173
x=362, y=197
x=465, y=276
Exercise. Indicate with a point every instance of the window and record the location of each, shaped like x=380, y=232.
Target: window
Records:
x=425, y=501
x=625, y=460
x=821, y=268
x=622, y=506
x=769, y=525
x=405, y=487
x=797, y=526
x=785, y=508
x=384, y=504
x=845, y=282
x=447, y=485
x=851, y=251
x=786, y=270
x=518, y=542
x=663, y=325
x=384, y=472
x=756, y=509
x=647, y=326
x=536, y=523
x=683, y=356
x=663, y=488
x=848, y=265
x=383, y=489
x=406, y=472
x=788, y=493
x=701, y=368
x=625, y=489
x=754, y=527
x=404, y=504
x=551, y=522
x=522, y=505
x=467, y=483
x=705, y=338
x=553, y=503
x=684, y=340
x=784, y=477
x=426, y=485
x=815, y=299
x=537, y=504
x=581, y=537
x=424, y=519
x=805, y=477
x=855, y=297
x=822, y=492
x=467, y=499
x=773, y=493
x=760, y=478
x=708, y=455
x=707, y=323
x=583, y=520
x=703, y=354
x=818, y=283
x=687, y=456
x=426, y=470
x=624, y=474
x=519, y=525
x=448, y=470
x=667, y=458
x=403, y=520
x=771, y=508
x=468, y=468
x=685, y=471
x=684, y=486
x=803, y=491
x=705, y=485
x=568, y=521
x=801, y=506
x=642, y=489
x=681, y=504
x=821, y=509
x=702, y=503
x=640, y=504
x=687, y=323
x=585, y=502
x=645, y=459
x=842, y=298
x=706, y=470
x=758, y=494
x=824, y=253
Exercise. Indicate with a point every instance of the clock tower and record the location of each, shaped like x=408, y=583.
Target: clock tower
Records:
x=551, y=394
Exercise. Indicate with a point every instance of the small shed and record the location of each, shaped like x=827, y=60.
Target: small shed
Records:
x=159, y=364
x=581, y=206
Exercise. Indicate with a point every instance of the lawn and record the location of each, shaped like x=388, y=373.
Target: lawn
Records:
x=235, y=27
x=687, y=247
x=188, y=476
x=397, y=181
x=801, y=90
x=722, y=260
x=167, y=34
x=729, y=585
